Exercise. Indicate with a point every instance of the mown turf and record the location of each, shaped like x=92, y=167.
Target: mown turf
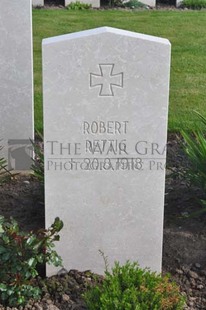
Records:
x=186, y=30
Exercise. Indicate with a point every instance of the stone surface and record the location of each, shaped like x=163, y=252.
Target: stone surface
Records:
x=38, y=2
x=179, y=3
x=151, y=3
x=16, y=82
x=105, y=123
x=94, y=3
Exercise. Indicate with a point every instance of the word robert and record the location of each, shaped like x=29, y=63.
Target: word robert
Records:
x=102, y=127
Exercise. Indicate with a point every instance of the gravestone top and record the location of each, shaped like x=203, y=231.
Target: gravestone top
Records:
x=101, y=30
x=106, y=95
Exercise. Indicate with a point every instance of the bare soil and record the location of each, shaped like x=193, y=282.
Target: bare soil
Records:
x=184, y=252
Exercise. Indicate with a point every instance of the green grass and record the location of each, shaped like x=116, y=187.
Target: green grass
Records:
x=185, y=29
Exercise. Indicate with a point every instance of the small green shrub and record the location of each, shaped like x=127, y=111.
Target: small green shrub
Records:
x=134, y=4
x=79, y=6
x=194, y=4
x=116, y=3
x=20, y=253
x=3, y=170
x=5, y=174
x=195, y=149
x=129, y=287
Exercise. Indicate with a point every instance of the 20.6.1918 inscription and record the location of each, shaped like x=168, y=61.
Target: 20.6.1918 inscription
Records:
x=95, y=164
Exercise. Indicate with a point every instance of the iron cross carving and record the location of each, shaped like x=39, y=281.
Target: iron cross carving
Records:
x=106, y=80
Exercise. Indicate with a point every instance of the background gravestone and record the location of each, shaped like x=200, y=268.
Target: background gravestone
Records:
x=38, y=2
x=94, y=3
x=105, y=123
x=16, y=82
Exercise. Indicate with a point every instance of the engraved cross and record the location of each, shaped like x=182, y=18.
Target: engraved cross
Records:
x=106, y=80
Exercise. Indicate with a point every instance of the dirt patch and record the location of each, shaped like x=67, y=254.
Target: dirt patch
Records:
x=23, y=199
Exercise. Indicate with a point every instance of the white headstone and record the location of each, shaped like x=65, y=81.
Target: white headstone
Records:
x=38, y=2
x=94, y=3
x=151, y=3
x=16, y=82
x=179, y=3
x=105, y=122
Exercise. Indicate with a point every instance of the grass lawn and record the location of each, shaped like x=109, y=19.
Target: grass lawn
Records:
x=186, y=31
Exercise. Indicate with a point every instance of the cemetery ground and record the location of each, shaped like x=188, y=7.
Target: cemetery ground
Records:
x=184, y=230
